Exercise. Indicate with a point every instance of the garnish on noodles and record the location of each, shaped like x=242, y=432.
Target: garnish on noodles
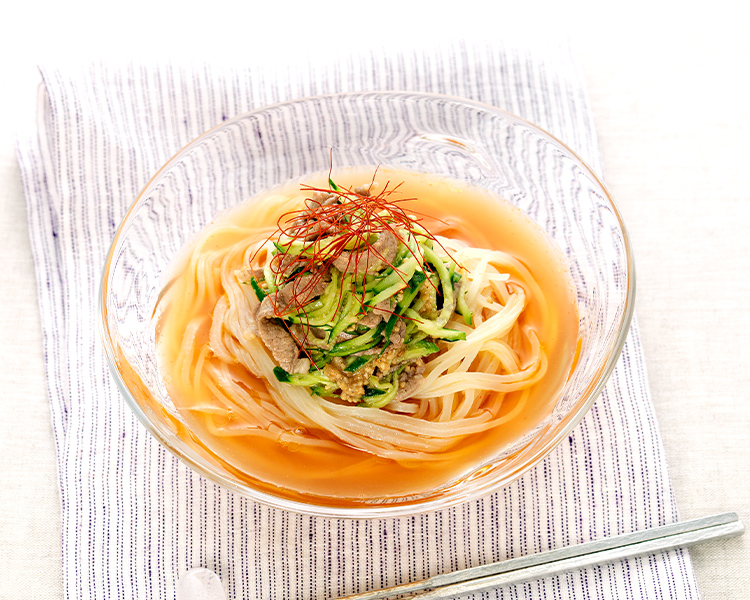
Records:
x=355, y=295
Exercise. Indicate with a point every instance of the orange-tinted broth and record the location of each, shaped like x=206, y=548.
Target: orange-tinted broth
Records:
x=347, y=476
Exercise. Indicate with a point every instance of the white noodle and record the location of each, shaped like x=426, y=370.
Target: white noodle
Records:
x=448, y=405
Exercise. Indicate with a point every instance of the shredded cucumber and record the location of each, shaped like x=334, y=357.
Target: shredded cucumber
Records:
x=423, y=288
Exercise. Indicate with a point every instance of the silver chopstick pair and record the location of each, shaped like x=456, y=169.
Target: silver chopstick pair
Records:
x=562, y=560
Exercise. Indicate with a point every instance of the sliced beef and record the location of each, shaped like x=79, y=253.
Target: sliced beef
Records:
x=382, y=311
x=308, y=223
x=364, y=190
x=310, y=337
x=274, y=334
x=299, y=292
x=280, y=342
x=321, y=199
x=371, y=259
x=410, y=379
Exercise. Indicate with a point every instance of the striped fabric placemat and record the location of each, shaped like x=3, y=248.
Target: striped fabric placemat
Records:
x=135, y=518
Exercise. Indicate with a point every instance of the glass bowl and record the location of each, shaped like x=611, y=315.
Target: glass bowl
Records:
x=435, y=134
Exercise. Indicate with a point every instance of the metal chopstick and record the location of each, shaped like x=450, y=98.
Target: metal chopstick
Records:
x=554, y=562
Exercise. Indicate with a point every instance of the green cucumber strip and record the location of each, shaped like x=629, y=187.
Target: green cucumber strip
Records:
x=303, y=379
x=346, y=315
x=447, y=286
x=450, y=335
x=462, y=308
x=323, y=247
x=390, y=326
x=375, y=281
x=418, y=350
x=401, y=253
x=434, y=328
x=411, y=330
x=431, y=293
x=417, y=336
x=317, y=247
x=281, y=374
x=357, y=363
x=387, y=293
x=321, y=311
x=401, y=276
x=363, y=342
x=380, y=400
x=270, y=278
x=260, y=294
x=370, y=392
x=314, y=342
x=416, y=306
x=319, y=359
x=415, y=283
x=417, y=280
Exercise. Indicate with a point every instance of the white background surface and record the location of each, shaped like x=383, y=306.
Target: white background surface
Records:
x=670, y=91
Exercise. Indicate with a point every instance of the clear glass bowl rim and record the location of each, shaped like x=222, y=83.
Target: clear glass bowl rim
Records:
x=384, y=510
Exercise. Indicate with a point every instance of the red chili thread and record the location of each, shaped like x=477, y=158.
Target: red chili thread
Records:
x=345, y=225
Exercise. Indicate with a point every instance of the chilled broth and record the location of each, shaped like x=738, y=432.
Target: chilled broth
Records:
x=342, y=474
